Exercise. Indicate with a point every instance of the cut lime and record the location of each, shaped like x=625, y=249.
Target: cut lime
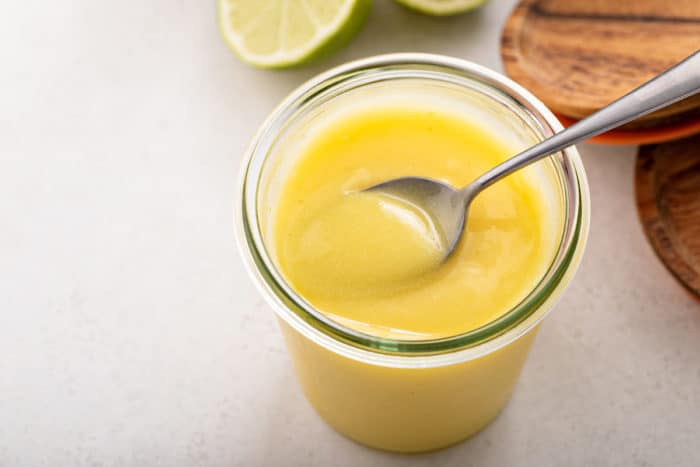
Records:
x=282, y=33
x=442, y=7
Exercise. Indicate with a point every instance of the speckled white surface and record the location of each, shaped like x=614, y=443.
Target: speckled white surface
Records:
x=129, y=333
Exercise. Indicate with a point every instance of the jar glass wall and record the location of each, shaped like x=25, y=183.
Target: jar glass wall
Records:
x=408, y=395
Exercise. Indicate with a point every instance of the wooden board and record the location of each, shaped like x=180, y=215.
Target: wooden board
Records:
x=668, y=199
x=579, y=55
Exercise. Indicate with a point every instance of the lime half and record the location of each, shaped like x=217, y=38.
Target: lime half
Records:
x=283, y=33
x=442, y=7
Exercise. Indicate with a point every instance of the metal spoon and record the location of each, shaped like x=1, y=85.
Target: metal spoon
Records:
x=448, y=206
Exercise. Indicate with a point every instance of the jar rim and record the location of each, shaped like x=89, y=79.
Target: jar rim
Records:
x=318, y=327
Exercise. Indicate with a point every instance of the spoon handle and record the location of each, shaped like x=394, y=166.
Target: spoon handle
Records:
x=678, y=82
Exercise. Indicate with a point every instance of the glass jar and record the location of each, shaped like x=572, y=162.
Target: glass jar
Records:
x=408, y=395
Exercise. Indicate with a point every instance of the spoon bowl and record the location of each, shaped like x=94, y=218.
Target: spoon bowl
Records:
x=443, y=204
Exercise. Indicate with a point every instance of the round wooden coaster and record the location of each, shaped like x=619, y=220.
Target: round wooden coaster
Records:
x=668, y=199
x=579, y=55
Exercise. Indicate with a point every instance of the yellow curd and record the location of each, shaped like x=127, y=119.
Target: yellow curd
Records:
x=375, y=263
x=393, y=346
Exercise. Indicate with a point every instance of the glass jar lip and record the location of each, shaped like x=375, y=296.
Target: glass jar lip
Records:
x=315, y=325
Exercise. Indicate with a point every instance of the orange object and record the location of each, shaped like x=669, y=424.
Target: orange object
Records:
x=643, y=136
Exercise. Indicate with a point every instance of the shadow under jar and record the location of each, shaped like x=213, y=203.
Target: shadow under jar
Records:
x=396, y=394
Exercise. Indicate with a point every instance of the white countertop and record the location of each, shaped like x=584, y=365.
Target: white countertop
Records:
x=129, y=332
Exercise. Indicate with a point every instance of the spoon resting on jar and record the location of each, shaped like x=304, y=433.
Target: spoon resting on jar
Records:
x=448, y=207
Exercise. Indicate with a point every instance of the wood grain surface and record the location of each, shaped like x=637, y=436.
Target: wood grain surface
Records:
x=668, y=199
x=579, y=55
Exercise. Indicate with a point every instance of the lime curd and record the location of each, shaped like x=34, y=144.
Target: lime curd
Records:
x=392, y=346
x=375, y=263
